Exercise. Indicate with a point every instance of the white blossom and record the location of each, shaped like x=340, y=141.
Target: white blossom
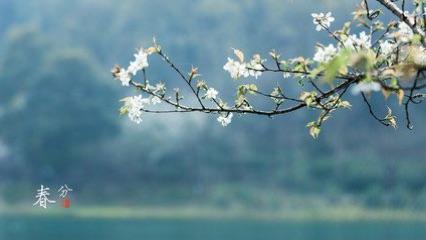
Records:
x=322, y=21
x=276, y=96
x=124, y=77
x=255, y=74
x=133, y=68
x=134, y=106
x=366, y=87
x=387, y=47
x=236, y=69
x=363, y=40
x=148, y=87
x=155, y=100
x=211, y=93
x=255, y=66
x=325, y=54
x=140, y=62
x=405, y=33
x=286, y=75
x=224, y=119
x=159, y=89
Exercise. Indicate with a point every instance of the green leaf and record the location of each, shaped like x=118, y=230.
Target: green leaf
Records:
x=338, y=65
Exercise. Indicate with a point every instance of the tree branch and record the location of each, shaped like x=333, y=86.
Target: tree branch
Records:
x=370, y=109
x=401, y=15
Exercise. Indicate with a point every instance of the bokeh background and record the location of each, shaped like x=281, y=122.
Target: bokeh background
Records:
x=184, y=176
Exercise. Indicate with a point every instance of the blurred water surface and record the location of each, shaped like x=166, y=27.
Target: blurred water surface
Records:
x=15, y=228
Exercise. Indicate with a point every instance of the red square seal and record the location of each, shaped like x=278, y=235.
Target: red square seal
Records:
x=66, y=203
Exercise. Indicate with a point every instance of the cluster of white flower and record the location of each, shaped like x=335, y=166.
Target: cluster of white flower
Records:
x=159, y=89
x=238, y=69
x=133, y=106
x=322, y=21
x=140, y=62
x=401, y=36
x=211, y=93
x=404, y=33
x=360, y=41
x=366, y=87
x=387, y=47
x=225, y=119
x=124, y=77
x=255, y=66
x=354, y=42
x=325, y=54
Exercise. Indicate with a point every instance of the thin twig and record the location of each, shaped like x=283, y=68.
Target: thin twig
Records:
x=370, y=108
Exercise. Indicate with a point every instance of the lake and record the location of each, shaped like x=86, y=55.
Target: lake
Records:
x=71, y=228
